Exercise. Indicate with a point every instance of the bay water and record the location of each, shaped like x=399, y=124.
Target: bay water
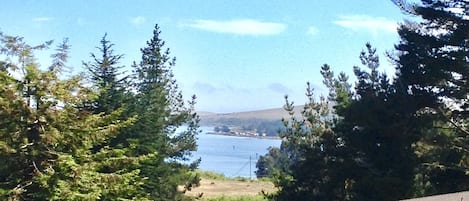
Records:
x=232, y=156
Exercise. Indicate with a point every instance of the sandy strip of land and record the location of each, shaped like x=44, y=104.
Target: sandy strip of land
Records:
x=214, y=188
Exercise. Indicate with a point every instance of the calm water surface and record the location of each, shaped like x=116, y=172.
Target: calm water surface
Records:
x=231, y=155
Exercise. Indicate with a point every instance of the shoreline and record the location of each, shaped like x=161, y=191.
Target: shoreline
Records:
x=249, y=136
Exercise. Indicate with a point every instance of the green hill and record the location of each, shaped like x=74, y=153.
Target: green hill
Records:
x=275, y=114
x=261, y=121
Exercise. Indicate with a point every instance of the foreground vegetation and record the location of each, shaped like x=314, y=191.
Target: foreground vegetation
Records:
x=93, y=136
x=215, y=186
x=385, y=139
x=103, y=135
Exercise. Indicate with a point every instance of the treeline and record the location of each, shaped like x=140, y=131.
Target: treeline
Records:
x=261, y=126
x=98, y=135
x=385, y=139
x=270, y=128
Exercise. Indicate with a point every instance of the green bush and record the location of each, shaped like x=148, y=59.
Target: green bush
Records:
x=211, y=175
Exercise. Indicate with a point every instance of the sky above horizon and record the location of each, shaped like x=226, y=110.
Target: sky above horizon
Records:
x=233, y=55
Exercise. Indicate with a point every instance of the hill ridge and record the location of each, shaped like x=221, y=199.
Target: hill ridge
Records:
x=273, y=114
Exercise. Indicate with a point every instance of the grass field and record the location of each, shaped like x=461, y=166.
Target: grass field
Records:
x=216, y=187
x=237, y=198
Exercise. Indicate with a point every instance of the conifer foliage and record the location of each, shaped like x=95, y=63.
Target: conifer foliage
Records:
x=433, y=64
x=388, y=139
x=46, y=137
x=64, y=139
x=161, y=109
x=107, y=78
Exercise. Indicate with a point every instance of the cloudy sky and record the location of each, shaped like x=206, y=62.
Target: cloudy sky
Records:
x=234, y=55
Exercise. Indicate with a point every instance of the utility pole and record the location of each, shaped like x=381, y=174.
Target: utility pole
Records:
x=250, y=167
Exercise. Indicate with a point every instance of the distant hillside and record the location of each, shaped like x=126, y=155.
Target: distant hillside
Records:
x=236, y=118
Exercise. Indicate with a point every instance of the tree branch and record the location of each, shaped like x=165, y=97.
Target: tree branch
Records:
x=460, y=128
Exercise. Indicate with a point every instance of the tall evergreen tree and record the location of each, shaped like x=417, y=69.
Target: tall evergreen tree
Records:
x=107, y=77
x=161, y=110
x=390, y=139
x=355, y=144
x=312, y=162
x=433, y=68
x=46, y=136
x=380, y=133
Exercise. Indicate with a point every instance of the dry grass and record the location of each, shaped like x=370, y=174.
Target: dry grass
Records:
x=210, y=188
x=460, y=196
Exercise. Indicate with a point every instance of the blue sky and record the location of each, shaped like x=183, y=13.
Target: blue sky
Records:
x=234, y=55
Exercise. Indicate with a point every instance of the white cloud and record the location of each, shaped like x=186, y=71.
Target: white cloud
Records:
x=313, y=31
x=138, y=20
x=368, y=23
x=239, y=27
x=279, y=88
x=42, y=19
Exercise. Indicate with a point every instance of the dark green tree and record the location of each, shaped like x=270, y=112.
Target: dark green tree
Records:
x=355, y=144
x=388, y=140
x=161, y=109
x=432, y=56
x=271, y=164
x=225, y=129
x=312, y=161
x=433, y=68
x=378, y=128
x=46, y=136
x=107, y=77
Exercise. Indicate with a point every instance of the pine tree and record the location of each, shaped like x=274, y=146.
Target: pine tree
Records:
x=357, y=145
x=432, y=58
x=161, y=110
x=313, y=163
x=380, y=132
x=433, y=66
x=46, y=135
x=388, y=140
x=104, y=74
x=272, y=164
